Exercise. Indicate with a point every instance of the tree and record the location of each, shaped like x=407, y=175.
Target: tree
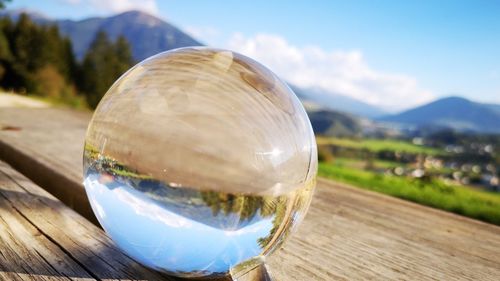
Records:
x=37, y=59
x=24, y=53
x=57, y=51
x=103, y=63
x=124, y=55
x=5, y=52
x=34, y=51
x=3, y=2
x=96, y=73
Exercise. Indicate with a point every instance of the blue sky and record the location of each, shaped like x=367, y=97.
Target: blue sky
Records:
x=393, y=54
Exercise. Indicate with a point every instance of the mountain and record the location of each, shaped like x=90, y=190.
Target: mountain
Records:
x=452, y=112
x=34, y=15
x=494, y=107
x=147, y=34
x=334, y=123
x=337, y=102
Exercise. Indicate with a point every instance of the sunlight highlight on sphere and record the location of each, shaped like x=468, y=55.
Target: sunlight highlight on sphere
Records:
x=198, y=160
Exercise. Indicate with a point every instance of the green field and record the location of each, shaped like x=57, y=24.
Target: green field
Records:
x=462, y=200
x=376, y=145
x=360, y=164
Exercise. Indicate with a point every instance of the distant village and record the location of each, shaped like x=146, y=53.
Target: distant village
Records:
x=455, y=158
x=455, y=167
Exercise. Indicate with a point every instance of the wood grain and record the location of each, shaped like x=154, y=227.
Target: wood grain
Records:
x=42, y=239
x=349, y=233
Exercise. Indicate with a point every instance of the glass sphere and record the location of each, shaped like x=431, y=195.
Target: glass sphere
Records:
x=199, y=160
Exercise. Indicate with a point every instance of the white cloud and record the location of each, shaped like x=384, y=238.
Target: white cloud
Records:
x=127, y=5
x=149, y=210
x=115, y=6
x=341, y=72
x=207, y=34
x=72, y=2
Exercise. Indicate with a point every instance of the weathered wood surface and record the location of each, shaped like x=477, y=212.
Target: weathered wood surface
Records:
x=42, y=239
x=349, y=233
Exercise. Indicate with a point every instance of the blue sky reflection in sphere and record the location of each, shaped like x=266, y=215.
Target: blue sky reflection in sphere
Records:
x=162, y=239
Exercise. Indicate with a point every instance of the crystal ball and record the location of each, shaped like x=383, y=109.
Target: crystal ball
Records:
x=199, y=160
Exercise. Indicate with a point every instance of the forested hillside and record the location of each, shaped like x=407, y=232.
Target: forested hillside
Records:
x=38, y=60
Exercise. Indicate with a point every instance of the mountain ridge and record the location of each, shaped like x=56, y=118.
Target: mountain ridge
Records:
x=337, y=102
x=137, y=27
x=451, y=112
x=149, y=35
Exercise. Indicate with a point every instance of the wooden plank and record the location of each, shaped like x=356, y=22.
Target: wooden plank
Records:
x=25, y=250
x=49, y=150
x=352, y=234
x=42, y=239
x=349, y=233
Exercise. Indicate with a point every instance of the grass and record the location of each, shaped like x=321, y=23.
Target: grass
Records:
x=387, y=164
x=461, y=200
x=113, y=166
x=75, y=102
x=349, y=162
x=359, y=164
x=376, y=145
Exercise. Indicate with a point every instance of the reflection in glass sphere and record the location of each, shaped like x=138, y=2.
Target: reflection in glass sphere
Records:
x=198, y=160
